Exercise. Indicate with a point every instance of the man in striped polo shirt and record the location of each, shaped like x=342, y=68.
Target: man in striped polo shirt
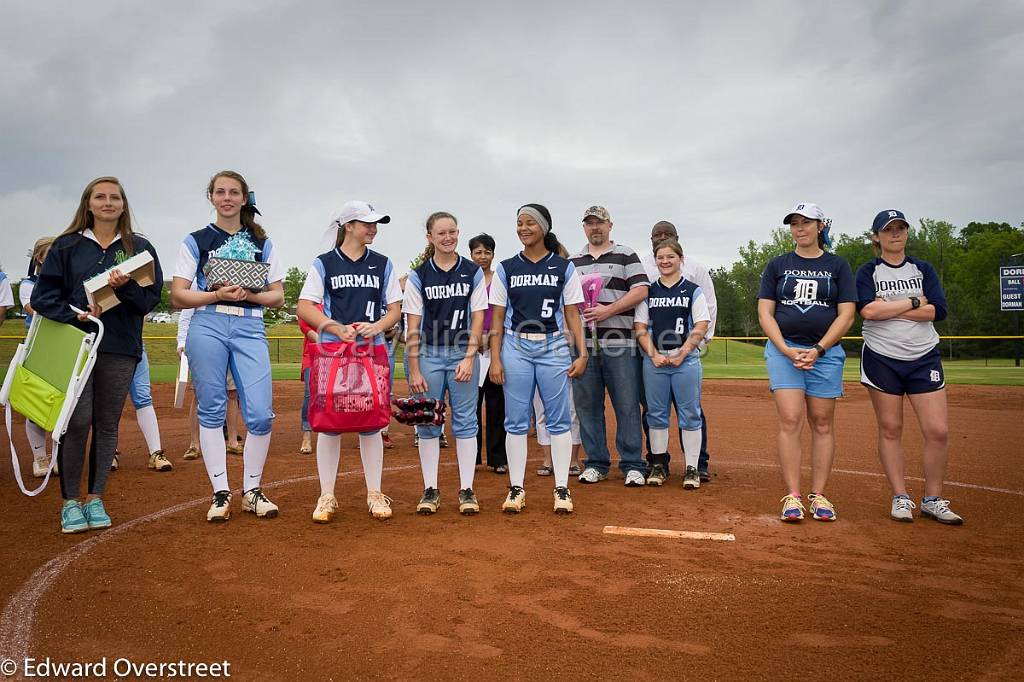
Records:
x=614, y=365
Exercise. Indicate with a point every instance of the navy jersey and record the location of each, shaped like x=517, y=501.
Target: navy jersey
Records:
x=807, y=292
x=74, y=258
x=534, y=294
x=446, y=300
x=670, y=312
x=352, y=290
x=211, y=241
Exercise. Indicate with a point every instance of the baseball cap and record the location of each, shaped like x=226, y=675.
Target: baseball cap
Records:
x=361, y=211
x=599, y=212
x=885, y=217
x=812, y=211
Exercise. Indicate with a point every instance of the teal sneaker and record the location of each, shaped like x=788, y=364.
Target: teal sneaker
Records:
x=95, y=514
x=72, y=520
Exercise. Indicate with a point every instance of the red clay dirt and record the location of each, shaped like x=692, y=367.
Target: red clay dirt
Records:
x=539, y=596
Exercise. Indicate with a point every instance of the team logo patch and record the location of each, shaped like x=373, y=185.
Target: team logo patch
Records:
x=935, y=376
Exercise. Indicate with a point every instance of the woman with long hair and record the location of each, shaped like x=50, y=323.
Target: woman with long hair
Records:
x=99, y=238
x=536, y=294
x=805, y=305
x=226, y=334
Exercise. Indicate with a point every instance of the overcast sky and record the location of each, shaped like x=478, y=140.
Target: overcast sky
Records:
x=716, y=116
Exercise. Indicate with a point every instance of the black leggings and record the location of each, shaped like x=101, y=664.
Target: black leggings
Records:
x=493, y=397
x=98, y=409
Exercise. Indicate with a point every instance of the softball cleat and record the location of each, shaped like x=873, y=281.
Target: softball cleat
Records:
x=467, y=502
x=691, y=479
x=256, y=502
x=326, y=505
x=563, y=500
x=430, y=501
x=220, y=510
x=515, y=501
x=159, y=462
x=379, y=504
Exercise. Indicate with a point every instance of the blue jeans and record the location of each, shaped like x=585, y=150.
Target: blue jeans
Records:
x=618, y=371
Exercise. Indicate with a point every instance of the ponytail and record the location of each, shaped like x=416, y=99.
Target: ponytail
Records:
x=552, y=244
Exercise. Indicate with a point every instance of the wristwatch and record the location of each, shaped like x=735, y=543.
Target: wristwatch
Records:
x=915, y=303
x=821, y=351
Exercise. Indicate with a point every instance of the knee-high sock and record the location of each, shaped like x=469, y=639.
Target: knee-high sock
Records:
x=465, y=451
x=561, y=455
x=254, y=457
x=515, y=448
x=149, y=427
x=430, y=453
x=328, y=454
x=691, y=447
x=371, y=451
x=215, y=456
x=36, y=439
x=659, y=441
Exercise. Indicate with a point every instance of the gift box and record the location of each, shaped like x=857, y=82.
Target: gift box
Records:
x=248, y=274
x=139, y=267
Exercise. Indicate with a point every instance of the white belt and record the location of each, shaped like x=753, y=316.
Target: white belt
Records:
x=535, y=337
x=236, y=310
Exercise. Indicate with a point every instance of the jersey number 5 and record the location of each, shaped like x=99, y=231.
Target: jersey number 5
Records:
x=546, y=310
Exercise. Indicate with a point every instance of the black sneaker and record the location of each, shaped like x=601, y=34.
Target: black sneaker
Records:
x=563, y=500
x=705, y=475
x=467, y=502
x=691, y=479
x=657, y=475
x=430, y=501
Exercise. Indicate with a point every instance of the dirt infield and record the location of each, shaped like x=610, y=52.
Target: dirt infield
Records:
x=536, y=596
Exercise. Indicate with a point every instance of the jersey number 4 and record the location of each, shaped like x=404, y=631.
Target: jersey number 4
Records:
x=371, y=310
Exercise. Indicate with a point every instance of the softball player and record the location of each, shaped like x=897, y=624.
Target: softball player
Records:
x=444, y=304
x=536, y=293
x=670, y=325
x=226, y=334
x=36, y=435
x=899, y=297
x=356, y=286
x=805, y=305
x=99, y=237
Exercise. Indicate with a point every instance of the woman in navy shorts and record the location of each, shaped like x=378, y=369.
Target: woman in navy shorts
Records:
x=805, y=305
x=899, y=297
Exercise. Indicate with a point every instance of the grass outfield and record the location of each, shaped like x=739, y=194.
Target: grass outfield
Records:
x=724, y=359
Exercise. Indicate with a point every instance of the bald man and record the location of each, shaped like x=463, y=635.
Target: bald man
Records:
x=698, y=274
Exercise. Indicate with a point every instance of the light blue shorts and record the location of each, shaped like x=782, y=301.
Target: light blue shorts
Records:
x=824, y=380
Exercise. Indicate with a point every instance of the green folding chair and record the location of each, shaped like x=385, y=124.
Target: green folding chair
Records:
x=46, y=378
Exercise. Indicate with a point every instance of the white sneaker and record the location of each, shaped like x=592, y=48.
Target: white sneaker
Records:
x=634, y=479
x=220, y=510
x=326, y=505
x=256, y=502
x=940, y=511
x=515, y=501
x=591, y=475
x=563, y=501
x=379, y=504
x=902, y=509
x=40, y=465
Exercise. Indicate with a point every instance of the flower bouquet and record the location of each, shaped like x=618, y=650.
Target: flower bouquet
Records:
x=592, y=285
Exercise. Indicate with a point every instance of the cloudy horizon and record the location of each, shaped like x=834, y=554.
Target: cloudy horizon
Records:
x=717, y=118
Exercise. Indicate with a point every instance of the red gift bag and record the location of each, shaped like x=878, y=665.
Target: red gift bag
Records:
x=349, y=387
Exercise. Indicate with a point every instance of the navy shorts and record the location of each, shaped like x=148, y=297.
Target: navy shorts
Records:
x=899, y=377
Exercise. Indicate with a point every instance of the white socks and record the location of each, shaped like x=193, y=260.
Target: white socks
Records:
x=215, y=456
x=254, y=457
x=328, y=454
x=430, y=453
x=691, y=447
x=371, y=450
x=150, y=429
x=659, y=441
x=561, y=455
x=465, y=451
x=36, y=439
x=515, y=448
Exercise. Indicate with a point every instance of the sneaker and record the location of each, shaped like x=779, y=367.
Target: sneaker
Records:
x=114, y=462
x=220, y=510
x=821, y=508
x=159, y=462
x=635, y=479
x=430, y=501
x=385, y=438
x=444, y=440
x=326, y=505
x=691, y=479
x=72, y=520
x=792, y=508
x=940, y=511
x=191, y=453
x=657, y=475
x=256, y=502
x=902, y=509
x=592, y=475
x=501, y=469
x=544, y=470
x=575, y=470
x=95, y=515
x=40, y=466
x=415, y=439
x=379, y=504
x=467, y=502
x=563, y=500
x=705, y=475
x=515, y=501
x=234, y=449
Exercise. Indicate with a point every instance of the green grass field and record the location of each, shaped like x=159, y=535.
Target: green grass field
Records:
x=724, y=359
